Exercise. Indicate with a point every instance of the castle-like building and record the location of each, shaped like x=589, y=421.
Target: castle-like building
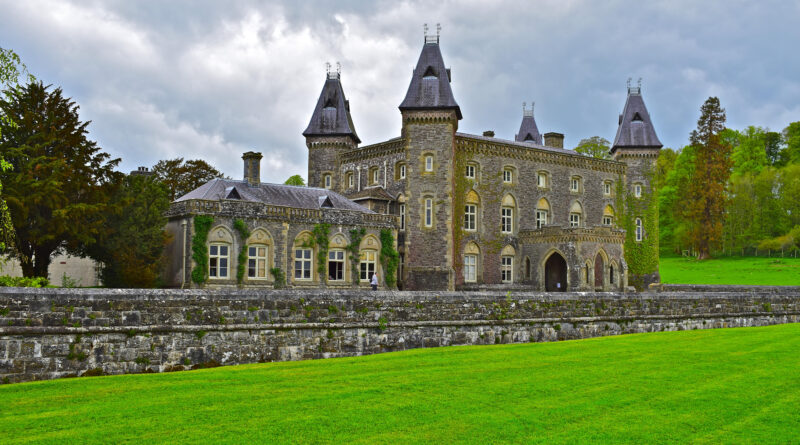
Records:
x=465, y=211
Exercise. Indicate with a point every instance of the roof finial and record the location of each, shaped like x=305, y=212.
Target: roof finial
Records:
x=432, y=39
x=639, y=84
x=629, y=83
x=425, y=27
x=438, y=29
x=338, y=68
x=525, y=111
x=327, y=67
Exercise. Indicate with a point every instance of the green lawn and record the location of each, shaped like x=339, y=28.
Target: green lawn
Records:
x=731, y=270
x=710, y=386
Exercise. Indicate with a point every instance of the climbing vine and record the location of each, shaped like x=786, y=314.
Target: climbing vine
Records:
x=640, y=256
x=389, y=258
x=244, y=233
x=321, y=232
x=202, y=225
x=280, y=278
x=354, y=248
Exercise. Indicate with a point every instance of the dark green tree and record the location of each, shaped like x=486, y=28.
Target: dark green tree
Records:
x=773, y=142
x=295, y=180
x=595, y=147
x=131, y=250
x=707, y=189
x=182, y=177
x=59, y=182
x=791, y=137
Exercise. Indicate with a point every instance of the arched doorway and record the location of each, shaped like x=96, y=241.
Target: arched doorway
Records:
x=555, y=274
x=599, y=267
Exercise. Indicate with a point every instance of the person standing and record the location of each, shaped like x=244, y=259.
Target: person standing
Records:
x=374, y=281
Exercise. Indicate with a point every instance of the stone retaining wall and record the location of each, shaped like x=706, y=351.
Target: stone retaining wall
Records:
x=52, y=333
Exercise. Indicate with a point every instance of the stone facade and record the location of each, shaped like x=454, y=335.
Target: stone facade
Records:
x=52, y=333
x=529, y=206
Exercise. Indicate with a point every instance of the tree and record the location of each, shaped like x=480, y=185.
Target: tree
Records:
x=183, y=177
x=749, y=150
x=791, y=136
x=772, y=142
x=673, y=226
x=707, y=194
x=595, y=147
x=295, y=180
x=131, y=251
x=59, y=181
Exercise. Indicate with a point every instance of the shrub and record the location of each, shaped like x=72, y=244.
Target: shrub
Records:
x=6, y=281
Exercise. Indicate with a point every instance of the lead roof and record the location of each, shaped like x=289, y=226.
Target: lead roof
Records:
x=430, y=83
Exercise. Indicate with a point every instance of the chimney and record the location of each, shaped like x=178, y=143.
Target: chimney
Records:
x=141, y=171
x=488, y=133
x=252, y=167
x=555, y=140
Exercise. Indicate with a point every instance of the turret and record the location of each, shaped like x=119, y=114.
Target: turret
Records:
x=430, y=119
x=329, y=133
x=528, y=131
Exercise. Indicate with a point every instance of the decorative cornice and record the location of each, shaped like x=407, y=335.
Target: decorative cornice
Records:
x=558, y=234
x=378, y=150
x=509, y=150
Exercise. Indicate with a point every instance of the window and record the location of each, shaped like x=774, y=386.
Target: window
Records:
x=637, y=190
x=639, y=230
x=506, y=219
x=470, y=268
x=218, y=261
x=367, y=265
x=402, y=217
x=541, y=180
x=428, y=163
x=607, y=188
x=428, y=212
x=507, y=269
x=611, y=274
x=302, y=264
x=373, y=175
x=470, y=212
x=508, y=176
x=575, y=184
x=541, y=218
x=607, y=220
x=327, y=181
x=470, y=173
x=574, y=219
x=257, y=262
x=350, y=182
x=402, y=171
x=336, y=265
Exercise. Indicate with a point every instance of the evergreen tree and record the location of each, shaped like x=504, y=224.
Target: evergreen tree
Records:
x=673, y=226
x=59, y=182
x=131, y=250
x=707, y=194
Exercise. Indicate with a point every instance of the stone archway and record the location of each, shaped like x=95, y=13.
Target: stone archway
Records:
x=555, y=273
x=599, y=268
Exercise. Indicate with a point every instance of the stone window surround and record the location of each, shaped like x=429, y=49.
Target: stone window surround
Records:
x=637, y=189
x=543, y=176
x=608, y=187
x=255, y=258
x=511, y=171
x=216, y=259
x=639, y=231
x=575, y=184
x=428, y=163
x=507, y=268
x=470, y=217
x=428, y=212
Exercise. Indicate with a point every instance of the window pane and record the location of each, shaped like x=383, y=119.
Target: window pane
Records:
x=212, y=250
x=223, y=250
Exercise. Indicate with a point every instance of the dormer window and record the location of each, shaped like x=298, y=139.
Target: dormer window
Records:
x=637, y=117
x=429, y=73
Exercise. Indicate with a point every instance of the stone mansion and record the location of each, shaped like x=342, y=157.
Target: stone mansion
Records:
x=465, y=211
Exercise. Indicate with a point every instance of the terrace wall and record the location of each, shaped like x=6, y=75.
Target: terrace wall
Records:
x=52, y=333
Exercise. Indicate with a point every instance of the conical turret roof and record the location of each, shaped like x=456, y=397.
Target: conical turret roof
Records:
x=635, y=127
x=528, y=131
x=332, y=114
x=430, y=82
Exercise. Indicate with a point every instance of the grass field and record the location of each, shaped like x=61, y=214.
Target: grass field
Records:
x=709, y=386
x=731, y=270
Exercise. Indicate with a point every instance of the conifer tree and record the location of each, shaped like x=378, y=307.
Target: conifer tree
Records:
x=706, y=204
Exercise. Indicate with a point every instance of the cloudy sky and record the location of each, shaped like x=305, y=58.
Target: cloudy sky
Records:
x=211, y=79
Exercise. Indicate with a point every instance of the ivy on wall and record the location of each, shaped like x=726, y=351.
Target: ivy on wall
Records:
x=640, y=256
x=354, y=248
x=202, y=225
x=320, y=240
x=389, y=258
x=244, y=233
x=280, y=278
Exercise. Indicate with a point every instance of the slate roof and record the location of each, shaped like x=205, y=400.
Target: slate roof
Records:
x=430, y=83
x=331, y=116
x=273, y=194
x=528, y=131
x=372, y=193
x=522, y=144
x=635, y=127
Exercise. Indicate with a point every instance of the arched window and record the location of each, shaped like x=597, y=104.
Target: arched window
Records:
x=471, y=255
x=220, y=242
x=471, y=211
x=637, y=190
x=401, y=207
x=507, y=214
x=507, y=264
x=575, y=214
x=400, y=170
x=542, y=213
x=428, y=162
x=259, y=249
x=327, y=180
x=428, y=202
x=368, y=257
x=336, y=256
x=608, y=215
x=303, y=257
x=607, y=188
x=639, y=230
x=508, y=175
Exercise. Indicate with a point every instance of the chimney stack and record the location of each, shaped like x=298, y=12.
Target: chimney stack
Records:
x=488, y=133
x=252, y=167
x=555, y=140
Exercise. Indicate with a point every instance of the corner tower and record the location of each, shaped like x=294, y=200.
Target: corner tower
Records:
x=329, y=133
x=430, y=119
x=637, y=145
